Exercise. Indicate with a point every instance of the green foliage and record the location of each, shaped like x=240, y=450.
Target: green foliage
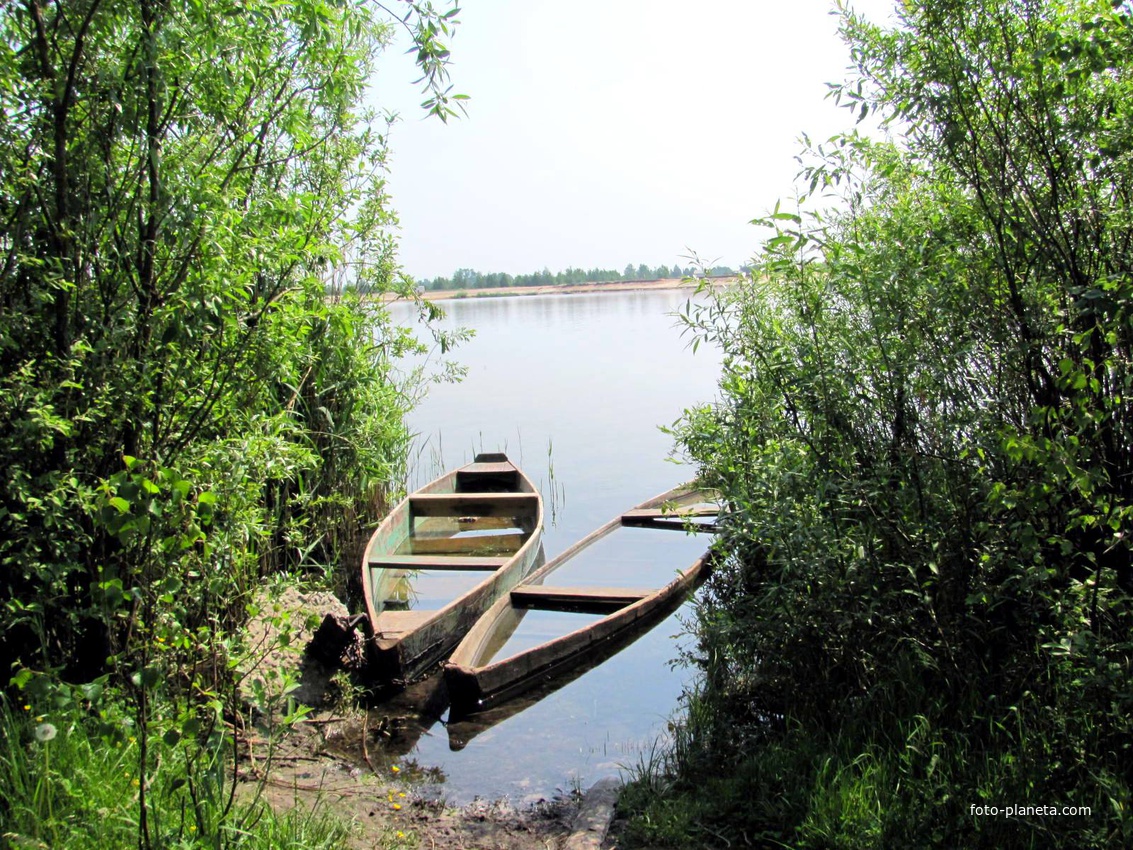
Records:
x=70, y=777
x=194, y=393
x=925, y=438
x=181, y=184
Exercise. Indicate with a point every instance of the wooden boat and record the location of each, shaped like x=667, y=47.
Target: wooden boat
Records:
x=476, y=680
x=440, y=560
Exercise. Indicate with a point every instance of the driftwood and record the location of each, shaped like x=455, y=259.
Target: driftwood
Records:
x=338, y=643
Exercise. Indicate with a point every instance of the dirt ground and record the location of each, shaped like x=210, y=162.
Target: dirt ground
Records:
x=382, y=806
x=334, y=758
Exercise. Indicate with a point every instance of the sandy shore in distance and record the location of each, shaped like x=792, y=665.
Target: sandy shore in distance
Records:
x=565, y=288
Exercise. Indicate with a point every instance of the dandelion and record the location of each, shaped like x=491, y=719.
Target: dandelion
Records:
x=397, y=807
x=401, y=794
x=400, y=834
x=27, y=708
x=136, y=783
x=395, y=769
x=192, y=827
x=44, y=732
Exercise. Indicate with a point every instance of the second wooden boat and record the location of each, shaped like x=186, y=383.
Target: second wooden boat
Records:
x=441, y=558
x=476, y=679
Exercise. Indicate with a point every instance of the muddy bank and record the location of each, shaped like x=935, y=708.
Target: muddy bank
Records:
x=335, y=758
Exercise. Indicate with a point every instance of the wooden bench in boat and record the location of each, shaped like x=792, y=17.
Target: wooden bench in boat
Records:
x=472, y=504
x=489, y=473
x=461, y=545
x=674, y=518
x=675, y=513
x=437, y=562
x=393, y=624
x=597, y=600
x=487, y=468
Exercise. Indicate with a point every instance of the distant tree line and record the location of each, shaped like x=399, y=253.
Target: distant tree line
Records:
x=472, y=279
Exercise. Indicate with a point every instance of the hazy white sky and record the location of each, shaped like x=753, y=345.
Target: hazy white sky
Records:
x=607, y=132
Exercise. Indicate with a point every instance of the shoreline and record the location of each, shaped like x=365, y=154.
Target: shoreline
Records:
x=565, y=288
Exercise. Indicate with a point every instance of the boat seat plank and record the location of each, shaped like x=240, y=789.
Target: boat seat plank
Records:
x=394, y=623
x=446, y=526
x=677, y=513
x=669, y=522
x=437, y=562
x=585, y=599
x=488, y=468
x=472, y=504
x=468, y=545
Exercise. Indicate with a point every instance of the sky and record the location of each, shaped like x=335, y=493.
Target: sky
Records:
x=606, y=132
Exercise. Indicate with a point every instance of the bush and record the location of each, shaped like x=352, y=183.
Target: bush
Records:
x=923, y=438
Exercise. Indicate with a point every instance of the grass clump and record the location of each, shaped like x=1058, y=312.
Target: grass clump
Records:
x=73, y=778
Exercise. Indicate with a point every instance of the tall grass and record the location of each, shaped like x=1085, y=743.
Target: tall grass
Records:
x=71, y=779
x=918, y=786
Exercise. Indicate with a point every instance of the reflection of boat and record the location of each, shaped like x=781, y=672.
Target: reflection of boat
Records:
x=441, y=558
x=476, y=679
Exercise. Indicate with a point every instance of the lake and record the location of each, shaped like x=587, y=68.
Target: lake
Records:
x=574, y=388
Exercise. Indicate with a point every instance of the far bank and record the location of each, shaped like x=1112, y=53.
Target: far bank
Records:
x=568, y=288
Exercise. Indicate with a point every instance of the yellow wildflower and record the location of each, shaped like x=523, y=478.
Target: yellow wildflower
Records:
x=397, y=807
x=395, y=769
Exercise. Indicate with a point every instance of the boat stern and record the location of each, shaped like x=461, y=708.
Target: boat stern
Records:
x=464, y=693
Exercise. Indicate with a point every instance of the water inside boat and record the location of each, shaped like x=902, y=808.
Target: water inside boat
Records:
x=630, y=557
x=426, y=589
x=626, y=558
x=535, y=627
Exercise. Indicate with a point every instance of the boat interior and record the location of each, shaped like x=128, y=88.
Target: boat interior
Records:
x=470, y=524
x=616, y=567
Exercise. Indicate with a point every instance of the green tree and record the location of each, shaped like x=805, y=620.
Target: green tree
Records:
x=180, y=183
x=924, y=436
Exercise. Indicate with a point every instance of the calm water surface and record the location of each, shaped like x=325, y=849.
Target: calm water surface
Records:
x=574, y=389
